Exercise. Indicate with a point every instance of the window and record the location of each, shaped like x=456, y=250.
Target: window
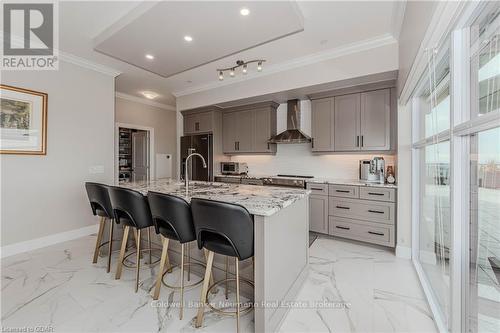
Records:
x=432, y=146
x=484, y=233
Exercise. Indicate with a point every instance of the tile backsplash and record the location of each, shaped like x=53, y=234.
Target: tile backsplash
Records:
x=299, y=160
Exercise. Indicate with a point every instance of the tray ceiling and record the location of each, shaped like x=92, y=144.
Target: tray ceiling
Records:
x=217, y=28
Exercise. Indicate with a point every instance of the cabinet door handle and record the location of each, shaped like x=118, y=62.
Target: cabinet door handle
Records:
x=362, y=141
x=357, y=140
x=235, y=145
x=343, y=228
x=375, y=233
x=342, y=191
x=374, y=193
x=196, y=126
x=316, y=189
x=342, y=207
x=375, y=211
x=312, y=142
x=238, y=145
x=268, y=146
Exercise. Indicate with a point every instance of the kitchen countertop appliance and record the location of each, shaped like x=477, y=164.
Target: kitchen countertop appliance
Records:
x=233, y=168
x=372, y=171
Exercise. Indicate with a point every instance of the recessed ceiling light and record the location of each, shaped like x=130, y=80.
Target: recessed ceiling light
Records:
x=188, y=38
x=149, y=94
x=150, y=56
x=244, y=11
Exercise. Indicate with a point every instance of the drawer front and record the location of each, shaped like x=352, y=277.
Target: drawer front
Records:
x=371, y=211
x=378, y=193
x=362, y=231
x=344, y=191
x=234, y=180
x=317, y=189
x=252, y=181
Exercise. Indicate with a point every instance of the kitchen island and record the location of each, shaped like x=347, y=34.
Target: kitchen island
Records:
x=281, y=229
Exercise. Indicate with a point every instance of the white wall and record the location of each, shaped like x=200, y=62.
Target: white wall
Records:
x=163, y=121
x=298, y=158
x=365, y=62
x=404, y=180
x=45, y=195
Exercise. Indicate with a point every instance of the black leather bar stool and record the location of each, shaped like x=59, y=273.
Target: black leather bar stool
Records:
x=173, y=221
x=101, y=206
x=131, y=208
x=226, y=229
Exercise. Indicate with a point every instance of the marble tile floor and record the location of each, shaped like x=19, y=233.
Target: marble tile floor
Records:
x=58, y=287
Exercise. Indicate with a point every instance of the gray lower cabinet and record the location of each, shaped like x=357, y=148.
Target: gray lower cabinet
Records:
x=247, y=129
x=318, y=213
x=318, y=207
x=361, y=213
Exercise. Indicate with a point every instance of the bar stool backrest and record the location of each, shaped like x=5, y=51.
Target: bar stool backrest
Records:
x=130, y=207
x=172, y=217
x=99, y=199
x=223, y=228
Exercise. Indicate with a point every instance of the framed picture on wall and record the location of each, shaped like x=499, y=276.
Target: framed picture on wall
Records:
x=23, y=121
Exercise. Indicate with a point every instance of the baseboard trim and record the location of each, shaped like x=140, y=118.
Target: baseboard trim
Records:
x=37, y=243
x=403, y=252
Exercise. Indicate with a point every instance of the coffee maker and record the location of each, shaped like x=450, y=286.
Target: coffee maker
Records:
x=372, y=171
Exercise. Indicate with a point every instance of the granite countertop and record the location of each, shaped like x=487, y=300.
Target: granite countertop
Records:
x=355, y=182
x=258, y=200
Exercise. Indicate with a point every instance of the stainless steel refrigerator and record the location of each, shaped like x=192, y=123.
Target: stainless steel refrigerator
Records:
x=201, y=144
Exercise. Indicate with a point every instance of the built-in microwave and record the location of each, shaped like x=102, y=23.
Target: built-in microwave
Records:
x=233, y=168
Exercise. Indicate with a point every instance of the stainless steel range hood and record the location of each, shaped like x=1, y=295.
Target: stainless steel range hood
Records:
x=293, y=134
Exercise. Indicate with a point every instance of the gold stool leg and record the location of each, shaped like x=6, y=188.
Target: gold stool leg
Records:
x=122, y=252
x=227, y=276
x=138, y=263
x=189, y=260
x=110, y=245
x=203, y=297
x=237, y=295
x=149, y=243
x=212, y=280
x=99, y=239
x=182, y=282
x=164, y=258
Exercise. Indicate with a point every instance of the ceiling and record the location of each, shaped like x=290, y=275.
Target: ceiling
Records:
x=217, y=28
x=87, y=25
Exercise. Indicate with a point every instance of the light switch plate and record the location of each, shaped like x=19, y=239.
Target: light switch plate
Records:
x=95, y=169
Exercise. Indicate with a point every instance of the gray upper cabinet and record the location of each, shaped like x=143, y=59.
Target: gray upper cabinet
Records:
x=265, y=128
x=346, y=122
x=364, y=120
x=247, y=129
x=322, y=124
x=229, y=132
x=376, y=120
x=198, y=122
x=244, y=131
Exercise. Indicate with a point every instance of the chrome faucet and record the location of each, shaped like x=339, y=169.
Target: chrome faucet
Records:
x=186, y=175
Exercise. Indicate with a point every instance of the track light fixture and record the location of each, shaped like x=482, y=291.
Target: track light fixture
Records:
x=239, y=63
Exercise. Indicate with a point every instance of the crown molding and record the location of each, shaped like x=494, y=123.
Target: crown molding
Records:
x=397, y=19
x=145, y=101
x=71, y=58
x=368, y=44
